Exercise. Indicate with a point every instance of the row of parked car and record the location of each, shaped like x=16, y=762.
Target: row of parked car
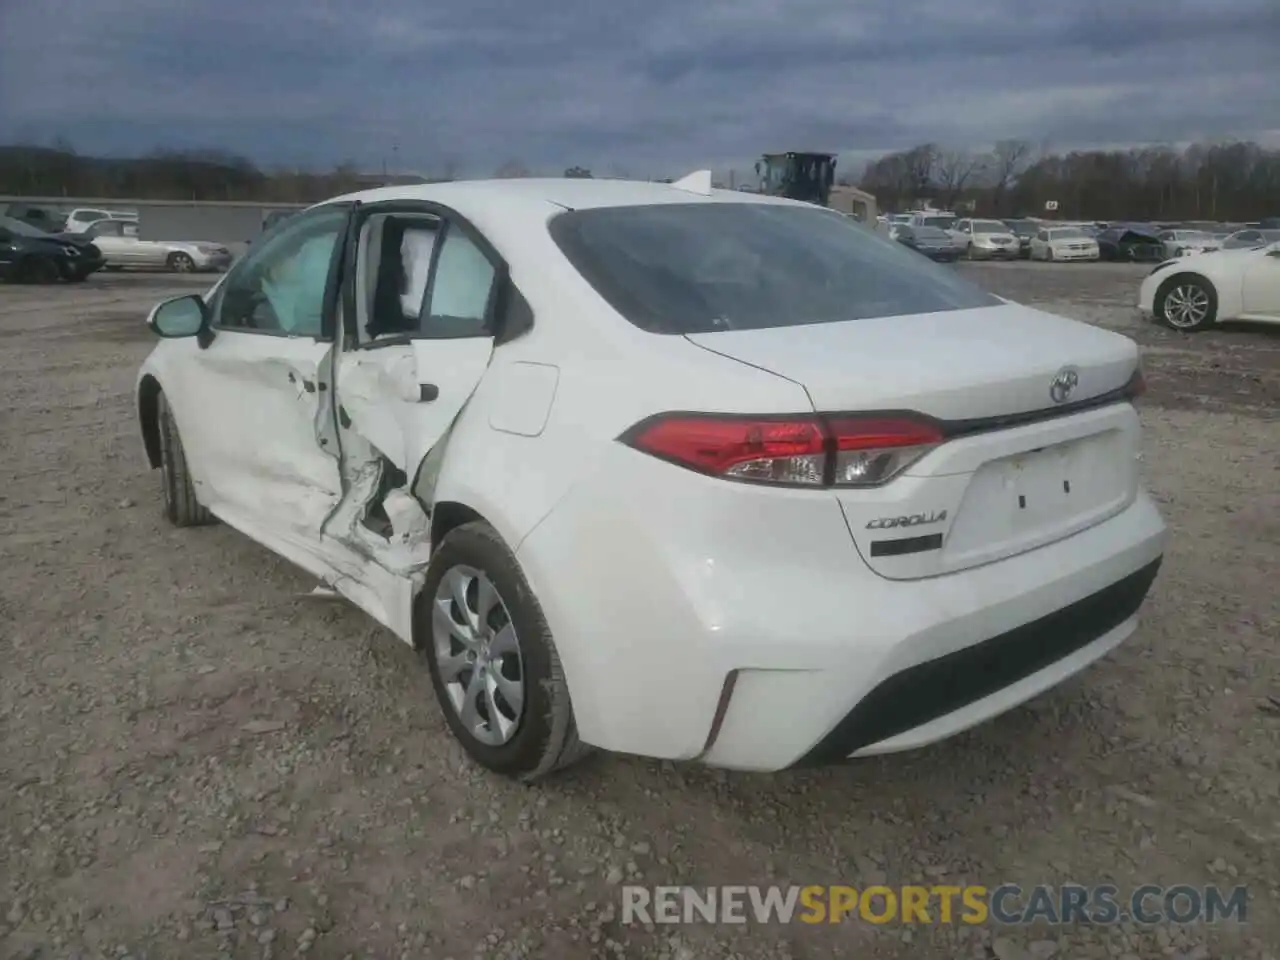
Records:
x=944, y=237
x=38, y=245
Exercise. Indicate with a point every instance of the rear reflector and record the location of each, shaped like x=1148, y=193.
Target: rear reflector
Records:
x=802, y=451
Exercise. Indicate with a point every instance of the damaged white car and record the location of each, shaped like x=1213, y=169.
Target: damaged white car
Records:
x=662, y=469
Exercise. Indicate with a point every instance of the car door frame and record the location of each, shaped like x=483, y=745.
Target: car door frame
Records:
x=495, y=310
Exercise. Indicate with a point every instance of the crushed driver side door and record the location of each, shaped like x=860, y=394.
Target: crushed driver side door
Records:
x=255, y=400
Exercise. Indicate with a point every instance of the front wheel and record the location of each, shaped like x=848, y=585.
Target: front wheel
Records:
x=181, y=263
x=181, y=508
x=493, y=663
x=40, y=270
x=1186, y=303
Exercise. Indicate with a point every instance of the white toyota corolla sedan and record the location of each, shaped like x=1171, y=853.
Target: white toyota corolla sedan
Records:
x=662, y=469
x=1198, y=290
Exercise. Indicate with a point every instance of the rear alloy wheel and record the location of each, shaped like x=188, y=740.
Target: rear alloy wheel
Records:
x=1186, y=303
x=181, y=263
x=40, y=270
x=181, y=507
x=493, y=663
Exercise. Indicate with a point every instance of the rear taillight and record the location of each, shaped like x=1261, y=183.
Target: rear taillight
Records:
x=844, y=451
x=870, y=451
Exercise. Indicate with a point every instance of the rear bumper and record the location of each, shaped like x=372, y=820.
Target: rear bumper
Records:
x=687, y=633
x=936, y=698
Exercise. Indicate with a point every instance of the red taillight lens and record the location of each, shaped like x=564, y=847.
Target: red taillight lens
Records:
x=766, y=451
x=813, y=451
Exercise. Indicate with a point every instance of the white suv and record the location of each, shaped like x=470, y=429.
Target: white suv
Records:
x=80, y=219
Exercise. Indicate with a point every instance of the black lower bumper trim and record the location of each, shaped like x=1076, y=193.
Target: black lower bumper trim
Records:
x=933, y=689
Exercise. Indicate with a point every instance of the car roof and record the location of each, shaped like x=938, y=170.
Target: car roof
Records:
x=566, y=192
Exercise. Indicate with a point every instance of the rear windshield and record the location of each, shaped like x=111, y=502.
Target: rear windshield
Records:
x=703, y=267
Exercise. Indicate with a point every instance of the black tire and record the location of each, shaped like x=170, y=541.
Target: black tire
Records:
x=40, y=270
x=180, y=263
x=1185, y=289
x=545, y=738
x=181, y=508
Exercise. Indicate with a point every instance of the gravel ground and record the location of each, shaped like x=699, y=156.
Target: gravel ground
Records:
x=196, y=761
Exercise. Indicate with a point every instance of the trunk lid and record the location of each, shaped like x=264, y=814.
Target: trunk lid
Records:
x=990, y=491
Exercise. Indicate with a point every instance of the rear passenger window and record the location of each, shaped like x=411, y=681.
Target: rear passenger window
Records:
x=460, y=290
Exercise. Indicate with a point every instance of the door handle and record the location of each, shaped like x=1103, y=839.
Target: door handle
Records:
x=427, y=392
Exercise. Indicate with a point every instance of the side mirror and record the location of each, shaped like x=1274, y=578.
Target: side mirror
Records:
x=179, y=317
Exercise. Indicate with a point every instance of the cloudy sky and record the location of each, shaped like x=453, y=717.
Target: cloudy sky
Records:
x=643, y=87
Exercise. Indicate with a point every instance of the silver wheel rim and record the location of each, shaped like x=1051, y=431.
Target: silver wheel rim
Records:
x=478, y=655
x=182, y=263
x=1186, y=306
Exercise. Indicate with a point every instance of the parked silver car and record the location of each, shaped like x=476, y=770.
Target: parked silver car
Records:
x=986, y=240
x=120, y=245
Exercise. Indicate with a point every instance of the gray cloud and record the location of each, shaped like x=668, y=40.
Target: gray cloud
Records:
x=653, y=87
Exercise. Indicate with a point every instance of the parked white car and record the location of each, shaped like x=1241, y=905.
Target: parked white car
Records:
x=1250, y=239
x=118, y=240
x=1196, y=291
x=1063, y=243
x=986, y=240
x=81, y=218
x=667, y=470
x=1180, y=243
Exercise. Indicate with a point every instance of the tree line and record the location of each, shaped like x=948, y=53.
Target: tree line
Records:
x=1236, y=181
x=59, y=171
x=1207, y=181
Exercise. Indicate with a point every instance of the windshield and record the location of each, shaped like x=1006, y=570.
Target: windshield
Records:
x=705, y=267
x=989, y=226
x=1068, y=233
x=930, y=233
x=941, y=223
x=21, y=228
x=1022, y=228
x=1193, y=235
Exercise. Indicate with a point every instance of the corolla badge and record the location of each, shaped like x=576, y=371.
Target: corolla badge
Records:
x=1064, y=384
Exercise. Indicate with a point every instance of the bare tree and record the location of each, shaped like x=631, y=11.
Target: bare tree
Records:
x=952, y=173
x=1008, y=159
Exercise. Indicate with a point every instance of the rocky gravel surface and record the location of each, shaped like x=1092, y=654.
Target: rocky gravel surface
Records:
x=199, y=761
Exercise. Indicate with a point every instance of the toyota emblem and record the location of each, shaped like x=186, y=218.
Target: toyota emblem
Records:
x=1064, y=384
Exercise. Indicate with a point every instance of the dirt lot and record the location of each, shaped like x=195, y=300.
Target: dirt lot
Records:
x=197, y=762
